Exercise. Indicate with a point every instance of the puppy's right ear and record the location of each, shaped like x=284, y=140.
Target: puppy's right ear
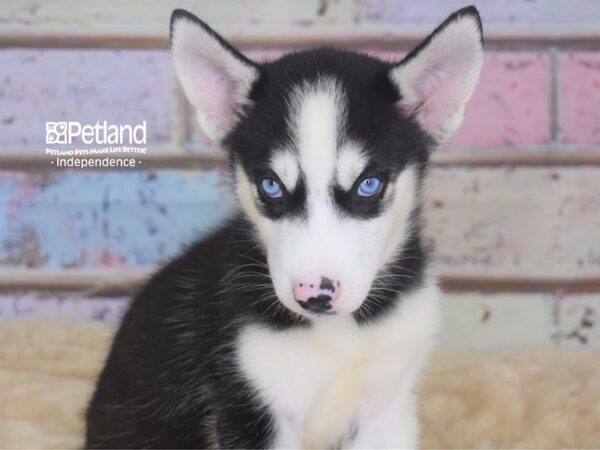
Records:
x=215, y=77
x=437, y=79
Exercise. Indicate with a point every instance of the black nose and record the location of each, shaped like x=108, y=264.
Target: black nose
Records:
x=317, y=305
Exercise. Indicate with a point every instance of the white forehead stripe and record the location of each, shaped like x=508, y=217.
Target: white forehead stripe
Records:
x=319, y=115
x=351, y=163
x=285, y=165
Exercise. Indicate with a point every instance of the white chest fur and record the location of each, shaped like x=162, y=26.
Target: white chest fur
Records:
x=322, y=381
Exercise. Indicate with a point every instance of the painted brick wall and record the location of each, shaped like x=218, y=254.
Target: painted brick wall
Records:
x=511, y=107
x=105, y=219
x=538, y=102
x=120, y=86
x=513, y=12
x=579, y=75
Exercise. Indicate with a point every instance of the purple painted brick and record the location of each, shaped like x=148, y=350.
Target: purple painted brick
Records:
x=120, y=86
x=522, y=12
x=580, y=95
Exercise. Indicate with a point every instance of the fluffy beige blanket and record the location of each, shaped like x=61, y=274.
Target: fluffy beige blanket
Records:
x=526, y=399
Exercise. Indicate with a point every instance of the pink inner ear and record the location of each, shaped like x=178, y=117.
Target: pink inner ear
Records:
x=438, y=81
x=429, y=83
x=441, y=91
x=216, y=93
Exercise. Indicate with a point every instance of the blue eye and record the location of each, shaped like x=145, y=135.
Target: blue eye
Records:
x=271, y=187
x=369, y=187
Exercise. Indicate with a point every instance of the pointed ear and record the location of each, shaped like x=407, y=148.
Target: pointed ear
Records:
x=438, y=77
x=215, y=77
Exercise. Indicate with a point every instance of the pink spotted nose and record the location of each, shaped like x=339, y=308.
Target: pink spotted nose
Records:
x=317, y=294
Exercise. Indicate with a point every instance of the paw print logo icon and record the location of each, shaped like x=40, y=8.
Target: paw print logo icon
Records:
x=56, y=132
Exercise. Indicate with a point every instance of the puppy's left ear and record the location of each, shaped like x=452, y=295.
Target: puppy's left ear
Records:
x=439, y=76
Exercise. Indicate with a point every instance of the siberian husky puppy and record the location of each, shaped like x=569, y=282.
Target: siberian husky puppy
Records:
x=305, y=320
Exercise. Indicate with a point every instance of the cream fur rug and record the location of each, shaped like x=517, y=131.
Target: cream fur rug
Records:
x=527, y=399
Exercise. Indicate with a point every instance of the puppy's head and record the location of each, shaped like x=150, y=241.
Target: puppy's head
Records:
x=327, y=149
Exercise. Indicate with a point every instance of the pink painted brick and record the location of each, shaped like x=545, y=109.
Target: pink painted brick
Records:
x=510, y=107
x=120, y=86
x=580, y=97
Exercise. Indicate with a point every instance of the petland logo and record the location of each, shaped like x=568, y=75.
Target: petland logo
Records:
x=100, y=134
x=104, y=137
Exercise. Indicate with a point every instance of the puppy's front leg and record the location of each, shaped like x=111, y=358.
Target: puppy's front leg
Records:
x=285, y=436
x=395, y=427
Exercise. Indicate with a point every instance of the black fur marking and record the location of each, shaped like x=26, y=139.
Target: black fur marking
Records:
x=289, y=204
x=354, y=205
x=318, y=305
x=327, y=284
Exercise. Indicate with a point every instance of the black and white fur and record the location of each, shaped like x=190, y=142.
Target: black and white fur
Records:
x=217, y=350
